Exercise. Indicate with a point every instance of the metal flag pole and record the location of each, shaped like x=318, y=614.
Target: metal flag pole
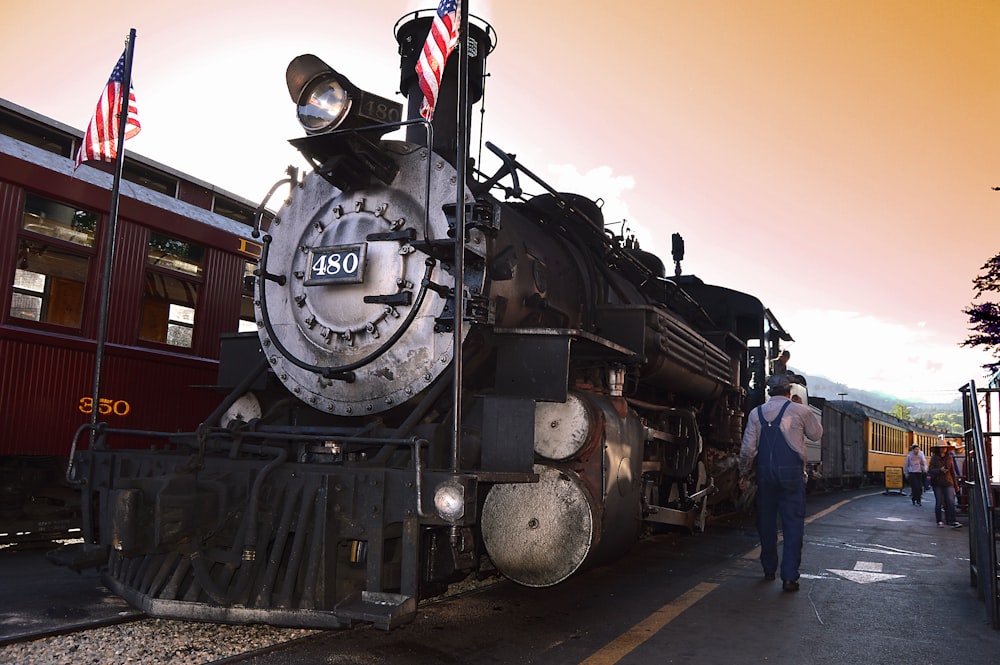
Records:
x=110, y=231
x=461, y=165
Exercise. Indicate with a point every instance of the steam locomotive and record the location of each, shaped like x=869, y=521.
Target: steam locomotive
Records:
x=449, y=375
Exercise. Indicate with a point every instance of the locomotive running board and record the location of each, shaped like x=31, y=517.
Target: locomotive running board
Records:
x=235, y=614
x=384, y=610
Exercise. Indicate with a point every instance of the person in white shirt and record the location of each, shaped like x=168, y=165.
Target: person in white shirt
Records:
x=775, y=437
x=915, y=470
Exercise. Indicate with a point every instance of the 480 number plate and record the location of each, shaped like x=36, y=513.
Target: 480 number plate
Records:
x=343, y=264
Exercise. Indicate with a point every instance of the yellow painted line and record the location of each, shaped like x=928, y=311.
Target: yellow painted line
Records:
x=755, y=552
x=627, y=642
x=622, y=645
x=824, y=513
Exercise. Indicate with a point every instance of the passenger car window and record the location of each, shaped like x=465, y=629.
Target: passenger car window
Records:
x=170, y=297
x=54, y=249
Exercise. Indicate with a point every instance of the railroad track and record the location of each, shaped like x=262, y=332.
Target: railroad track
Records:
x=69, y=628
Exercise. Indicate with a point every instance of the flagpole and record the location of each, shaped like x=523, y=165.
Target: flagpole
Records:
x=461, y=166
x=110, y=231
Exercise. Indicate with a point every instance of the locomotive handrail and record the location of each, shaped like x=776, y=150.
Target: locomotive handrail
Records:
x=291, y=433
x=982, y=530
x=285, y=432
x=258, y=213
x=323, y=434
x=71, y=464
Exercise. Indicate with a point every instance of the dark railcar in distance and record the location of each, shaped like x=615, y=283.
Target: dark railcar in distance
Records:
x=181, y=253
x=859, y=442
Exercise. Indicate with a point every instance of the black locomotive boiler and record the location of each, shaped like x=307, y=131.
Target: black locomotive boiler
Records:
x=358, y=463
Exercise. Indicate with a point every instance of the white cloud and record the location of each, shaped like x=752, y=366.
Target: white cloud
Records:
x=868, y=353
x=598, y=182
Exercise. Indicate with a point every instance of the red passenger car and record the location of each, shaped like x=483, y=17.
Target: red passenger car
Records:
x=182, y=249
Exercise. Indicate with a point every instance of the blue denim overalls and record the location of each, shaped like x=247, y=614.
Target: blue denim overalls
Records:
x=781, y=490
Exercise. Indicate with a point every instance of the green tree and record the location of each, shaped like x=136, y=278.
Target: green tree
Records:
x=952, y=422
x=984, y=316
x=901, y=411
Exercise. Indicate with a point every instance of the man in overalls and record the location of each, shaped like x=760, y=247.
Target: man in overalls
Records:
x=775, y=436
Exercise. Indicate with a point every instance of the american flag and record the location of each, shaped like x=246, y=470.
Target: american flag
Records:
x=440, y=43
x=101, y=139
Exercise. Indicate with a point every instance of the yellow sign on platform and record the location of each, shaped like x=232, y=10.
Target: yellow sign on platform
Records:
x=894, y=478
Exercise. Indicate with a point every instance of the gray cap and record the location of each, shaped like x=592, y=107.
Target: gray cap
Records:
x=778, y=383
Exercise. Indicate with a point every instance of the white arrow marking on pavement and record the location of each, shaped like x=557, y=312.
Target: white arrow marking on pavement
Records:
x=892, y=519
x=876, y=548
x=865, y=572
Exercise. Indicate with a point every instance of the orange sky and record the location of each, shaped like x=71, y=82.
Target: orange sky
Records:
x=833, y=157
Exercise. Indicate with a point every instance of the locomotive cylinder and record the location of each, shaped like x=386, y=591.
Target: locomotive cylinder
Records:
x=581, y=512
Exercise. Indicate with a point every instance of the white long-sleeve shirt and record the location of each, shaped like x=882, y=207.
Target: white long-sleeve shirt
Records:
x=798, y=422
x=915, y=462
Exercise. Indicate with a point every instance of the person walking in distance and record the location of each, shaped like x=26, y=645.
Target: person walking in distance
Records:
x=775, y=437
x=944, y=480
x=915, y=468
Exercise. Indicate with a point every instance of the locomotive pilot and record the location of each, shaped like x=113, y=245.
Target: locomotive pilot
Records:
x=775, y=438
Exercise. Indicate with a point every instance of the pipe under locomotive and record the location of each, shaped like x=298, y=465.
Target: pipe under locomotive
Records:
x=332, y=485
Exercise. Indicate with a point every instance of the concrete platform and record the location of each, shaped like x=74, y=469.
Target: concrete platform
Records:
x=881, y=583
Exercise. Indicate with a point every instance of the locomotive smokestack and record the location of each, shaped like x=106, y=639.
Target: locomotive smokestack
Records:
x=411, y=37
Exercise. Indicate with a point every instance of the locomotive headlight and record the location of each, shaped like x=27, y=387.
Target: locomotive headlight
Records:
x=327, y=100
x=449, y=501
x=323, y=105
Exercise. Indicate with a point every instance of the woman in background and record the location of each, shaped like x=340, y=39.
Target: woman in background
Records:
x=944, y=479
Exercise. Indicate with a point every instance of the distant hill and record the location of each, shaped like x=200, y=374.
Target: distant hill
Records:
x=823, y=387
